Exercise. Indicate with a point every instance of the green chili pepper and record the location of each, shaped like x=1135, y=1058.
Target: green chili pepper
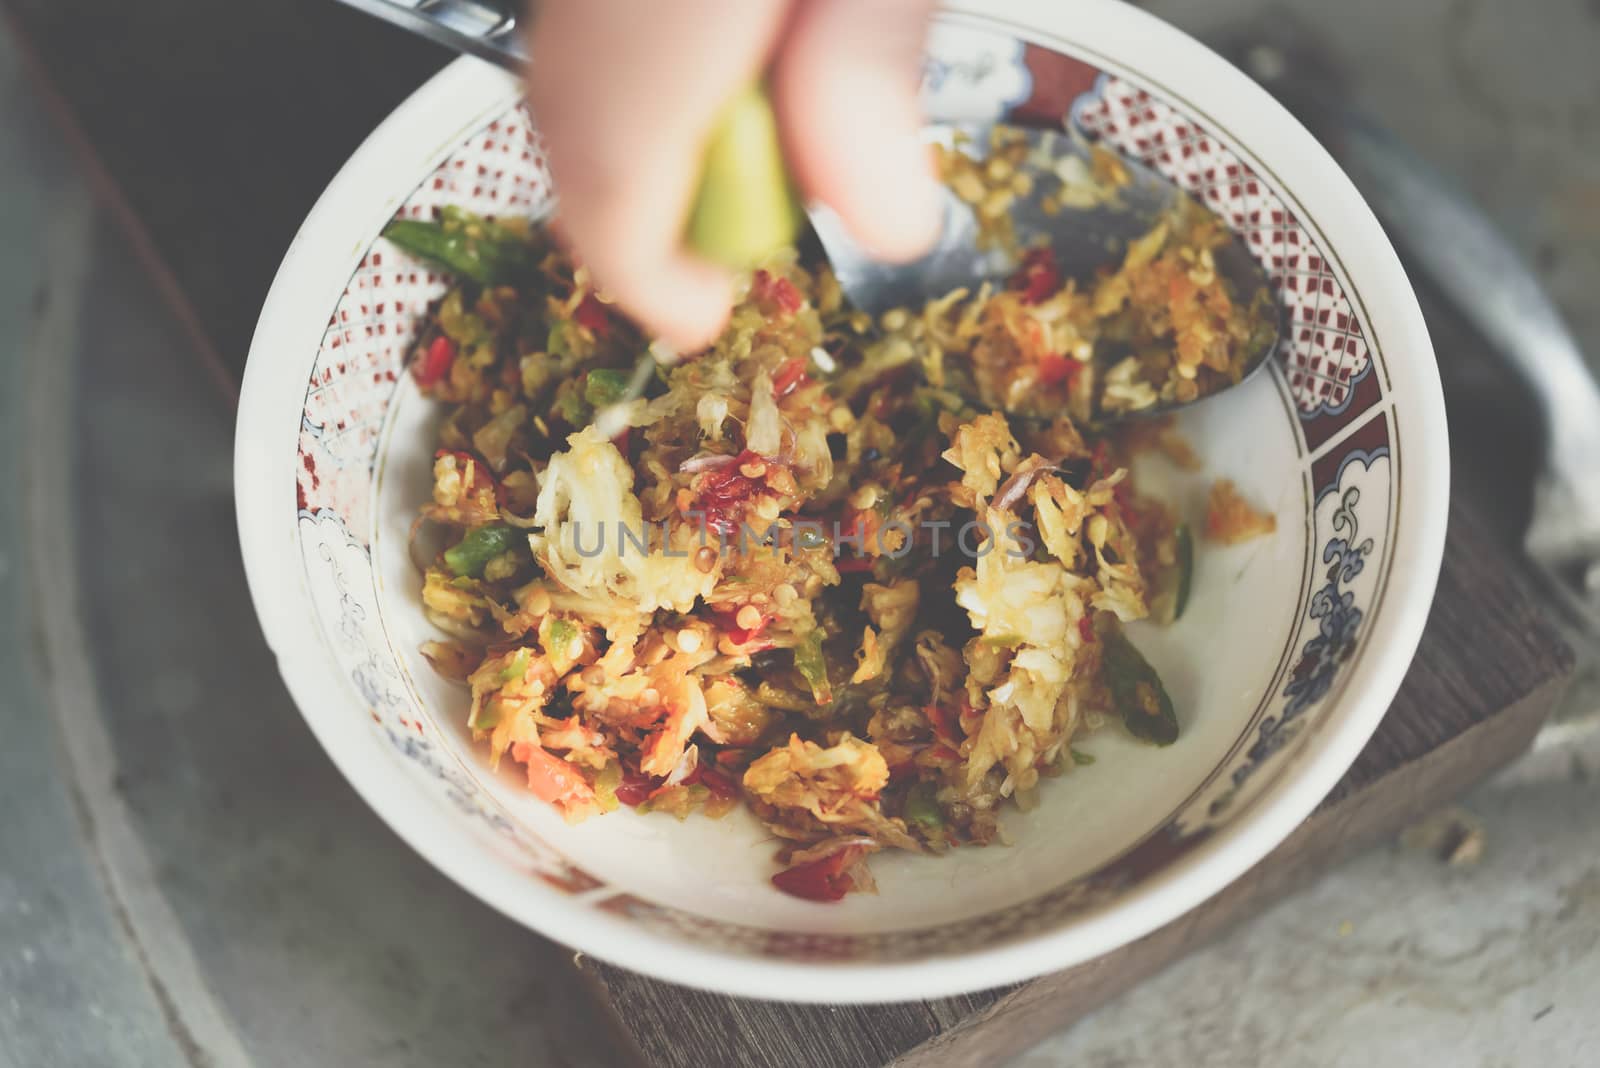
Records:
x=1137, y=691
x=813, y=666
x=561, y=635
x=605, y=386
x=605, y=785
x=487, y=717
x=922, y=807
x=1185, y=569
x=1082, y=759
x=745, y=207
x=473, y=552
x=479, y=257
x=517, y=666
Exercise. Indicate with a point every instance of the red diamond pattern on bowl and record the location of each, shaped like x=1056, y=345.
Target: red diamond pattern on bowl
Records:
x=1324, y=351
x=498, y=171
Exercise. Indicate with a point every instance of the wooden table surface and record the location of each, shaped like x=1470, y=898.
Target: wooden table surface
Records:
x=214, y=155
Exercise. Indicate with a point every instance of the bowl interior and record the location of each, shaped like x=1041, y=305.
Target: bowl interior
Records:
x=1272, y=667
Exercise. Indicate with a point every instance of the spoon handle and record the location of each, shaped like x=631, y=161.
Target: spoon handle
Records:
x=486, y=29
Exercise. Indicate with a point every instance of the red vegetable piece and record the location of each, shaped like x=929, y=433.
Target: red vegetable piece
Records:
x=435, y=362
x=724, y=489
x=1086, y=628
x=940, y=718
x=636, y=787
x=790, y=377
x=1055, y=369
x=712, y=779
x=775, y=294
x=820, y=880
x=1039, y=277
x=739, y=635
x=592, y=315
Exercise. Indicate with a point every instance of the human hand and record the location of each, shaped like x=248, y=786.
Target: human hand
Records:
x=627, y=92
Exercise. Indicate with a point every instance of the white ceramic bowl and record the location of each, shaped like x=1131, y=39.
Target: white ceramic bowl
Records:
x=1290, y=653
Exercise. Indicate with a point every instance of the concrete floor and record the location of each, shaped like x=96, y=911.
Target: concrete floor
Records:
x=185, y=879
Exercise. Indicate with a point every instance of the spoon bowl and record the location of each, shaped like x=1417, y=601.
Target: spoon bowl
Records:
x=1086, y=222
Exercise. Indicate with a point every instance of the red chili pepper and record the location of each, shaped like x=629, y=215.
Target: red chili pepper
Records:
x=591, y=314
x=820, y=880
x=636, y=787
x=1086, y=628
x=944, y=754
x=1039, y=277
x=1054, y=369
x=790, y=377
x=435, y=363
x=737, y=634
x=712, y=779
x=724, y=489
x=776, y=293
x=940, y=718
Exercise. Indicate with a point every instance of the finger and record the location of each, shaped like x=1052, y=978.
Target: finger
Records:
x=625, y=94
x=845, y=81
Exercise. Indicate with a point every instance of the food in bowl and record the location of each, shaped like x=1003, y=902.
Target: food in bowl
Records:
x=1166, y=327
x=865, y=578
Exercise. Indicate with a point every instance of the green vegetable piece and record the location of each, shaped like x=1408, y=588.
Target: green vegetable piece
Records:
x=605, y=785
x=517, y=666
x=922, y=807
x=813, y=666
x=745, y=207
x=457, y=248
x=605, y=386
x=473, y=552
x=570, y=404
x=1185, y=569
x=559, y=342
x=1081, y=758
x=562, y=633
x=458, y=324
x=487, y=717
x=1137, y=692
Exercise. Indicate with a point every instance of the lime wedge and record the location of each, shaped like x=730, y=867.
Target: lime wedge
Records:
x=745, y=208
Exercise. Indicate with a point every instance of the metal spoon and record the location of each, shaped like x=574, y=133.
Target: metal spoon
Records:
x=1082, y=239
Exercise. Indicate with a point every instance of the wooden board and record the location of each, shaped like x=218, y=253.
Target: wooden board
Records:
x=1486, y=673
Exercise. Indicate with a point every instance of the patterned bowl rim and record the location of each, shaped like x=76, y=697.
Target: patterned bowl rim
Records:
x=457, y=101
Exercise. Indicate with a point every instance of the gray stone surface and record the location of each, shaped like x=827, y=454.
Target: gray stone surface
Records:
x=72, y=987
x=185, y=879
